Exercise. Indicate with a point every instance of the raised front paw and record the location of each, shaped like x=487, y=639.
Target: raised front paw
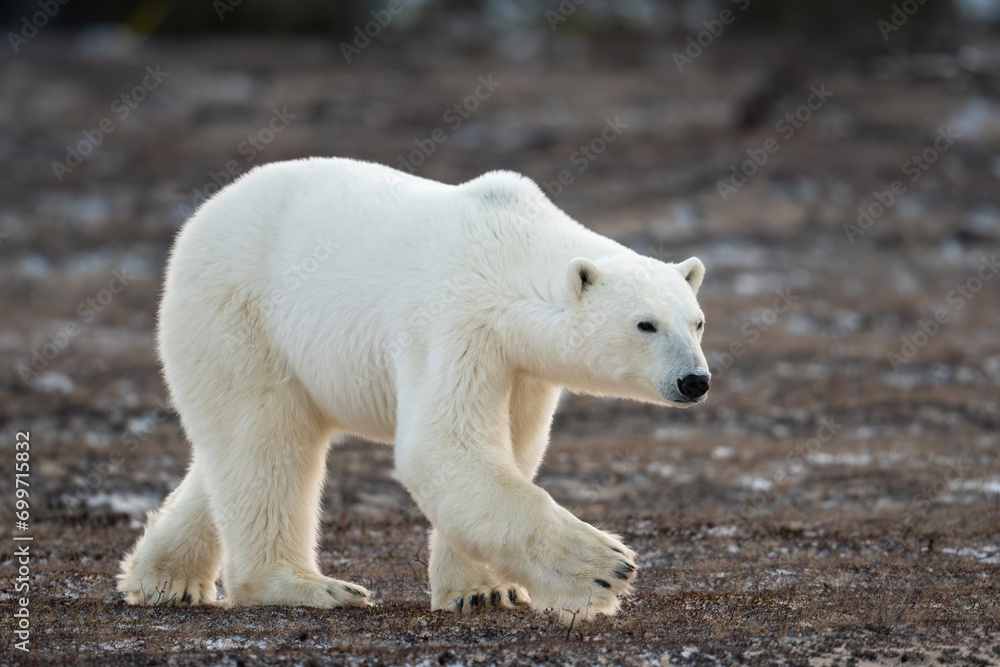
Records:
x=481, y=598
x=582, y=572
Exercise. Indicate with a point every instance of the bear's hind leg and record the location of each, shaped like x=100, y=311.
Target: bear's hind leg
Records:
x=177, y=559
x=459, y=583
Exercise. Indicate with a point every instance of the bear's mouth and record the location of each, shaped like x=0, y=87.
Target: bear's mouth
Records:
x=688, y=402
x=676, y=400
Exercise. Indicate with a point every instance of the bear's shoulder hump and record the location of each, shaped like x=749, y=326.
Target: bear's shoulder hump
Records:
x=502, y=189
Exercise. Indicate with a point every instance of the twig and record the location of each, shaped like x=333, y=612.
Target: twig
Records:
x=417, y=558
x=572, y=621
x=414, y=569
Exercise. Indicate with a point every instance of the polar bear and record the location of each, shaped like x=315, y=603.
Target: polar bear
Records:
x=323, y=296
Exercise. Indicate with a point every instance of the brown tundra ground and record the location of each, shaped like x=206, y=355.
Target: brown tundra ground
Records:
x=830, y=504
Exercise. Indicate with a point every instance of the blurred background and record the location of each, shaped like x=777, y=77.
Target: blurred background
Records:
x=835, y=165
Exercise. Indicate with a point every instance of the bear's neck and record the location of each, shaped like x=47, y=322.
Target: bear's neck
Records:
x=536, y=305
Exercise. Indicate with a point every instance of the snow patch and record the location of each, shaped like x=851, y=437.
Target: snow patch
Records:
x=756, y=483
x=722, y=452
x=131, y=504
x=989, y=554
x=843, y=458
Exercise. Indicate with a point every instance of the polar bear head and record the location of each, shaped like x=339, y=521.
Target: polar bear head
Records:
x=636, y=328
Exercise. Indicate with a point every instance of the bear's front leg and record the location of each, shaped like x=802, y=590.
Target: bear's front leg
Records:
x=459, y=583
x=457, y=462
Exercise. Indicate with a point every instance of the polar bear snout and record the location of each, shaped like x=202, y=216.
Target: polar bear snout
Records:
x=687, y=390
x=693, y=386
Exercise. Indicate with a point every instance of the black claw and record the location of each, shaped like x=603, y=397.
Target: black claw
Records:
x=186, y=598
x=482, y=599
x=602, y=583
x=628, y=567
x=512, y=595
x=495, y=598
x=621, y=575
x=459, y=603
x=473, y=600
x=617, y=550
x=354, y=591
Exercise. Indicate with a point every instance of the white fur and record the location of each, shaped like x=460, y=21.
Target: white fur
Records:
x=328, y=295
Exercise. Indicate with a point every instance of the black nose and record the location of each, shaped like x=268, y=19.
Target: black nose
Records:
x=693, y=386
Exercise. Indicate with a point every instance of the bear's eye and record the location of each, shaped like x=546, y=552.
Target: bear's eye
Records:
x=700, y=325
x=647, y=327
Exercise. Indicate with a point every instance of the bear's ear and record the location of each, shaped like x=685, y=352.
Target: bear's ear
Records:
x=693, y=271
x=581, y=274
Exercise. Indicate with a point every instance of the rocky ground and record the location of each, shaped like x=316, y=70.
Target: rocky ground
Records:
x=837, y=501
